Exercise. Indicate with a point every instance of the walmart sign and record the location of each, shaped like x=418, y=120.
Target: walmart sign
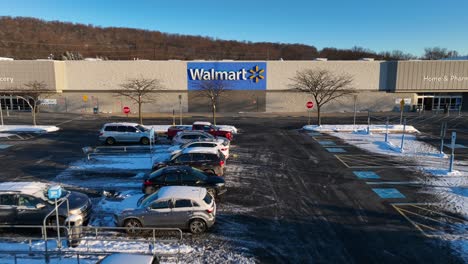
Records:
x=236, y=75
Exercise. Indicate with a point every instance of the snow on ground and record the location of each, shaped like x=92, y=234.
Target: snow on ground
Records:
x=450, y=187
x=5, y=135
x=352, y=128
x=26, y=128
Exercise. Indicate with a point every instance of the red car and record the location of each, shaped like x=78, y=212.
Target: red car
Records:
x=203, y=126
x=213, y=130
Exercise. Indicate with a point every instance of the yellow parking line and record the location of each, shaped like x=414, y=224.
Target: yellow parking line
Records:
x=336, y=156
x=409, y=220
x=442, y=214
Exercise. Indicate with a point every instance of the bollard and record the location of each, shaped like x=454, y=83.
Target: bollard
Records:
x=386, y=131
x=452, y=155
x=443, y=130
x=403, y=136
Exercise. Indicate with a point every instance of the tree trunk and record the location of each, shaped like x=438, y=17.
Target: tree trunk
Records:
x=214, y=114
x=139, y=113
x=319, y=117
x=33, y=111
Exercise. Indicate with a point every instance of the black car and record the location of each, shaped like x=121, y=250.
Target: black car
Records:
x=183, y=175
x=209, y=161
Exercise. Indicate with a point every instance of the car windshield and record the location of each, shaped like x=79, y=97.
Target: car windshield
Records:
x=145, y=201
x=142, y=128
x=156, y=173
x=200, y=174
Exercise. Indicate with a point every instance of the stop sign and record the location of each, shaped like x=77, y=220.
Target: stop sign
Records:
x=310, y=104
x=126, y=109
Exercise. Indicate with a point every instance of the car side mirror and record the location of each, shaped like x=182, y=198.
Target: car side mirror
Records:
x=40, y=206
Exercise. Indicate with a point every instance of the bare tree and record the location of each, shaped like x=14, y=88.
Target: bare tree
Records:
x=212, y=90
x=438, y=53
x=32, y=94
x=140, y=90
x=323, y=86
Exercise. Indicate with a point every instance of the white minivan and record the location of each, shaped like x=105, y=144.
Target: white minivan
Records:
x=112, y=133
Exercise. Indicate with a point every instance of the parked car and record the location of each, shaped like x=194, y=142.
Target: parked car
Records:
x=112, y=133
x=220, y=144
x=200, y=126
x=213, y=130
x=173, y=130
x=209, y=161
x=182, y=207
x=184, y=176
x=26, y=203
x=187, y=136
x=126, y=258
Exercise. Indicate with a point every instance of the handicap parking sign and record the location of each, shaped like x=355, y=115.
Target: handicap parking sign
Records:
x=54, y=192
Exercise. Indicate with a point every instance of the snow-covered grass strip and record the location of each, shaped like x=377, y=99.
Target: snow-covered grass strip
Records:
x=352, y=128
x=27, y=128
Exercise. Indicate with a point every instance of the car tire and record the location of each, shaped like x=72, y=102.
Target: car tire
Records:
x=144, y=141
x=110, y=141
x=150, y=190
x=197, y=226
x=130, y=224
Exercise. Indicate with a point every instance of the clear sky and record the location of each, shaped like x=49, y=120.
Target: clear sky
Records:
x=380, y=25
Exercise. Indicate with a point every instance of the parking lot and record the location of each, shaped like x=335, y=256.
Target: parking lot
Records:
x=293, y=196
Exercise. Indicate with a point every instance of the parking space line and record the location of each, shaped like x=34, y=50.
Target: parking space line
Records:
x=344, y=163
x=326, y=142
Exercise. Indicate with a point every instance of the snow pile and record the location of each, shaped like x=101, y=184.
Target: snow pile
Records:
x=376, y=143
x=143, y=161
x=29, y=129
x=351, y=128
x=5, y=135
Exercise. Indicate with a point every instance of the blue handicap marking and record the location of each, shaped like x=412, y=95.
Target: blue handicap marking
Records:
x=366, y=174
x=388, y=193
x=326, y=142
x=313, y=134
x=336, y=150
x=4, y=146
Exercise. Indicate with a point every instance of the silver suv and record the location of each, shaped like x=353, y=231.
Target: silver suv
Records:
x=182, y=207
x=125, y=132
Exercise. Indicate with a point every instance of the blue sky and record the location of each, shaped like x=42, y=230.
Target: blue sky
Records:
x=409, y=25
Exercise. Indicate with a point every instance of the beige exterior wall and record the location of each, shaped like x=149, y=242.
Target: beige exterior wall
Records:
x=108, y=75
x=430, y=76
x=14, y=74
x=373, y=101
x=365, y=73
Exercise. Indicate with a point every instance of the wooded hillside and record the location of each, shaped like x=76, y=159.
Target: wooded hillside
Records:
x=30, y=38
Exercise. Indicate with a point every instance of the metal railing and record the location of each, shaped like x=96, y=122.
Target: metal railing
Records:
x=91, y=234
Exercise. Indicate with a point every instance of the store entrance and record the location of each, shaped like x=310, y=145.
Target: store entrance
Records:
x=431, y=101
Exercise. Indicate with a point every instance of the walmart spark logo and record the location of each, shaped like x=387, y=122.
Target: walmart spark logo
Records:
x=256, y=74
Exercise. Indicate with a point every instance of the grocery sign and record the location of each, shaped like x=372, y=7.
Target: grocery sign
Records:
x=234, y=75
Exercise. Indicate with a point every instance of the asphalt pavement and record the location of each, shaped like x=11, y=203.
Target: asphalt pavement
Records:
x=289, y=199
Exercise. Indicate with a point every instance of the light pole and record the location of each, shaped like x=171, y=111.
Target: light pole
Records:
x=180, y=109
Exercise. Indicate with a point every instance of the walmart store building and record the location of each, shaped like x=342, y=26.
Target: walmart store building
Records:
x=254, y=86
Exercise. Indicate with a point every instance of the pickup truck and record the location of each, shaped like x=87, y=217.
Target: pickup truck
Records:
x=203, y=126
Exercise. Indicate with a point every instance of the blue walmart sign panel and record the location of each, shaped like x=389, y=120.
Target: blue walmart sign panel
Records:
x=234, y=75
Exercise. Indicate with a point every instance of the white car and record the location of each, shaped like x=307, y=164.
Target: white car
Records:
x=219, y=144
x=112, y=133
x=183, y=137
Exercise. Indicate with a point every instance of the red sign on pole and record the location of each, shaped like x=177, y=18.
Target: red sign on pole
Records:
x=310, y=104
x=126, y=110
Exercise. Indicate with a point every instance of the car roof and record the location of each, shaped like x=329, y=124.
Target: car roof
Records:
x=182, y=192
x=121, y=124
x=185, y=132
x=30, y=188
x=202, y=123
x=206, y=150
x=125, y=258
x=177, y=168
